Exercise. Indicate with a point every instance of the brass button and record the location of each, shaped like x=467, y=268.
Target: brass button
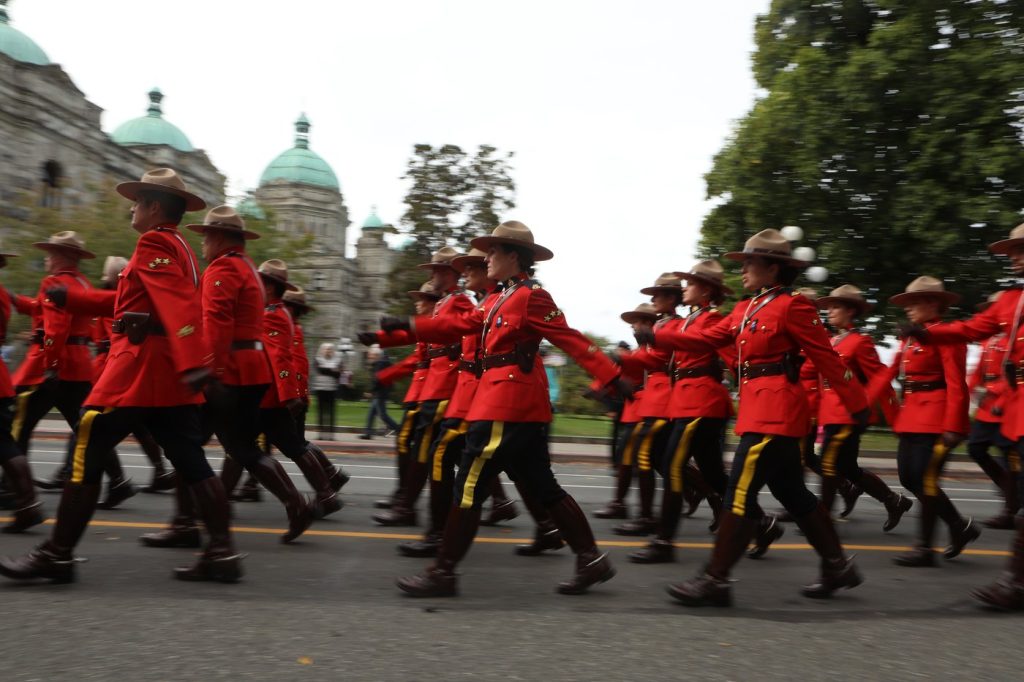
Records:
x=510, y=376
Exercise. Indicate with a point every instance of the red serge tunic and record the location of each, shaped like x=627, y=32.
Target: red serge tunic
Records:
x=30, y=371
x=465, y=388
x=655, y=363
x=101, y=341
x=444, y=359
x=988, y=375
x=6, y=387
x=415, y=364
x=698, y=390
x=161, y=279
x=301, y=363
x=517, y=319
x=278, y=332
x=929, y=411
x=858, y=352
x=764, y=329
x=66, y=335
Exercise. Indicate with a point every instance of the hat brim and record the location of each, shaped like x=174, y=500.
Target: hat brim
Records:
x=1004, y=246
x=301, y=306
x=274, y=278
x=460, y=262
x=908, y=297
x=80, y=252
x=9, y=255
x=651, y=291
x=436, y=266
x=633, y=316
x=130, y=190
x=861, y=306
x=422, y=294
x=248, y=234
x=539, y=252
x=788, y=260
x=703, y=279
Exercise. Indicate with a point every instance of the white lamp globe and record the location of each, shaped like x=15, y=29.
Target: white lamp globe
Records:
x=804, y=253
x=817, y=274
x=792, y=233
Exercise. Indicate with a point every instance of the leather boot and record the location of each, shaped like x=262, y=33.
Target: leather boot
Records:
x=836, y=570
x=636, y=528
x=335, y=476
x=403, y=512
x=183, y=531
x=230, y=474
x=694, y=479
x=440, y=580
x=645, y=524
x=896, y=505
x=768, y=531
x=162, y=482
x=427, y=546
x=272, y=476
x=613, y=510
x=117, y=492
x=829, y=486
x=922, y=555
x=327, y=498
x=441, y=494
x=546, y=535
x=616, y=509
x=249, y=491
x=220, y=561
x=961, y=531
x=1007, y=593
x=1004, y=520
x=656, y=552
x=713, y=587
x=592, y=567
x=692, y=498
x=57, y=481
x=851, y=493
x=501, y=511
x=27, y=508
x=53, y=560
x=715, y=502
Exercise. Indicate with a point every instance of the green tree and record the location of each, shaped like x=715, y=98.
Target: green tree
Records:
x=892, y=131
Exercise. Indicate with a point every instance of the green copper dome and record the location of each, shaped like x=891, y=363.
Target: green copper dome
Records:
x=248, y=208
x=301, y=164
x=152, y=128
x=373, y=221
x=16, y=44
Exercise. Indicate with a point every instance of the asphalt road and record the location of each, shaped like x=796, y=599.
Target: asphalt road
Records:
x=326, y=607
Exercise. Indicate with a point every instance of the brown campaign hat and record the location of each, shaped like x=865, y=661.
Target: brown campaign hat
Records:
x=992, y=298
x=514, y=233
x=276, y=270
x=67, y=242
x=161, y=180
x=768, y=244
x=644, y=312
x=442, y=258
x=847, y=295
x=706, y=271
x=809, y=293
x=226, y=219
x=474, y=256
x=923, y=288
x=112, y=267
x=667, y=281
x=297, y=298
x=1006, y=245
x=426, y=291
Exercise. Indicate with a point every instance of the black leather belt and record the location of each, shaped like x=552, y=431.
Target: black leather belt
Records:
x=78, y=341
x=767, y=369
x=910, y=386
x=990, y=377
x=246, y=344
x=119, y=327
x=451, y=352
x=500, y=360
x=37, y=336
x=691, y=372
x=103, y=346
x=469, y=366
x=423, y=364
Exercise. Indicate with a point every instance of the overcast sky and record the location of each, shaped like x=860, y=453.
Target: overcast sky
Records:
x=613, y=109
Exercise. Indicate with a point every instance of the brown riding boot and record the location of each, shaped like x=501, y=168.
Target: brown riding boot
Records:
x=272, y=476
x=335, y=476
x=26, y=506
x=896, y=505
x=220, y=561
x=230, y=474
x=546, y=536
x=851, y=493
x=502, y=508
x=183, y=531
x=403, y=512
x=616, y=509
x=922, y=555
x=695, y=489
x=713, y=587
x=327, y=498
x=1005, y=519
x=829, y=486
x=836, y=570
x=1007, y=593
x=439, y=580
x=441, y=494
x=768, y=531
x=961, y=531
x=53, y=560
x=592, y=567
x=645, y=523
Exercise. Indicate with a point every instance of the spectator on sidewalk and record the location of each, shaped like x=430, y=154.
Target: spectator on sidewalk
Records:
x=325, y=385
x=379, y=393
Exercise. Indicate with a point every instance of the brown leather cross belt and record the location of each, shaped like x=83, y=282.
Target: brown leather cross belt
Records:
x=78, y=341
x=246, y=344
x=690, y=372
x=103, y=346
x=445, y=351
x=910, y=386
x=468, y=366
x=500, y=360
x=119, y=327
x=767, y=369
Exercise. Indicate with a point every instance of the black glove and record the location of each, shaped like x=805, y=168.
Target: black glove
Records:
x=912, y=331
x=644, y=336
x=390, y=323
x=216, y=395
x=951, y=439
x=623, y=388
x=197, y=378
x=294, y=406
x=862, y=419
x=367, y=338
x=57, y=296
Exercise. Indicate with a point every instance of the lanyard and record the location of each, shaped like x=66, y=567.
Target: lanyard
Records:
x=1013, y=330
x=490, y=313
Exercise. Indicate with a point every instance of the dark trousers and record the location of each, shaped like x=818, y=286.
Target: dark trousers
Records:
x=649, y=443
x=300, y=420
x=520, y=449
x=986, y=435
x=773, y=460
x=234, y=415
x=8, y=447
x=178, y=430
x=624, y=449
x=700, y=438
x=278, y=425
x=839, y=453
x=325, y=410
x=921, y=458
x=33, y=402
x=379, y=408
x=428, y=421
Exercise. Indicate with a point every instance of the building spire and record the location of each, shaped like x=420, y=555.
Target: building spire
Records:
x=302, y=127
x=3, y=12
x=155, y=97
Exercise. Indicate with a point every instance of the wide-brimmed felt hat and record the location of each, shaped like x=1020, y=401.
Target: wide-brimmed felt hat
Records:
x=1006, y=245
x=426, y=290
x=847, y=294
x=161, y=180
x=644, y=311
x=225, y=219
x=809, y=293
x=297, y=298
x=768, y=244
x=276, y=270
x=112, y=267
x=706, y=271
x=67, y=242
x=992, y=298
x=667, y=281
x=442, y=258
x=923, y=288
x=513, y=233
x=474, y=256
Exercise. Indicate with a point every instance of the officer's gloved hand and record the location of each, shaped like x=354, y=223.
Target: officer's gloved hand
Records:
x=57, y=296
x=294, y=406
x=216, y=394
x=907, y=330
x=623, y=388
x=391, y=323
x=367, y=338
x=951, y=439
x=644, y=336
x=197, y=378
x=862, y=419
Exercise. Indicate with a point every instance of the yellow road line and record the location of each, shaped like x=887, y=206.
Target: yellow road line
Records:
x=507, y=541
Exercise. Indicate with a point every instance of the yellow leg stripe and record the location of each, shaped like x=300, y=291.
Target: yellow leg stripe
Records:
x=403, y=434
x=261, y=442
x=644, y=456
x=627, y=452
x=497, y=430
x=680, y=456
x=82, y=442
x=828, y=460
x=21, y=407
x=423, y=456
x=1014, y=461
x=739, y=499
x=931, y=474
x=449, y=435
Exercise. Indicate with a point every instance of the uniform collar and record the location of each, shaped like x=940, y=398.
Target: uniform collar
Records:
x=511, y=281
x=165, y=227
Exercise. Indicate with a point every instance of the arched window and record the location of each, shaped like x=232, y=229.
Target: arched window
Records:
x=52, y=179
